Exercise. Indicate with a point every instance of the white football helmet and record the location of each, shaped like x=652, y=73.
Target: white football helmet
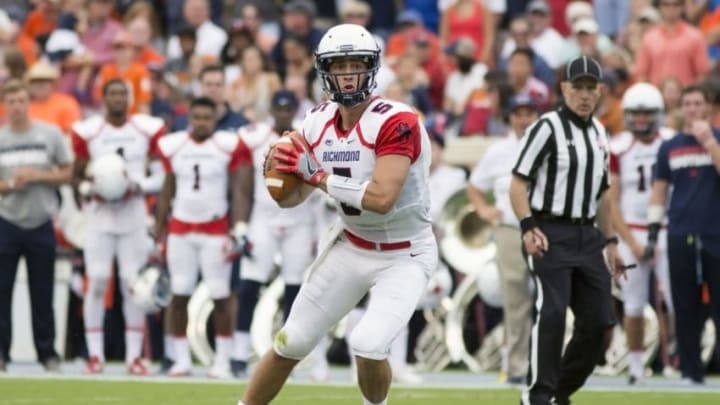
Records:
x=646, y=98
x=110, y=180
x=348, y=40
x=151, y=289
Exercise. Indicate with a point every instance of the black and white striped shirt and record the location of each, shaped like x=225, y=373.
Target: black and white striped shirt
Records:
x=566, y=159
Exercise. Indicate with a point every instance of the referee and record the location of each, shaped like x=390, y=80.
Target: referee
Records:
x=558, y=193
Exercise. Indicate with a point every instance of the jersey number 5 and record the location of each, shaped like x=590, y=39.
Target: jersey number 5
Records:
x=347, y=209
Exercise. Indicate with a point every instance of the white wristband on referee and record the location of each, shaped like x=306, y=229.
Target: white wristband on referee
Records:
x=347, y=190
x=655, y=213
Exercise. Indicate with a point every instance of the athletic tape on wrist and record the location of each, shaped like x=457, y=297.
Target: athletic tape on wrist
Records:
x=347, y=190
x=655, y=213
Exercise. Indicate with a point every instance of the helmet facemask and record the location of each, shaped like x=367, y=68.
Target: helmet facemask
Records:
x=364, y=80
x=654, y=118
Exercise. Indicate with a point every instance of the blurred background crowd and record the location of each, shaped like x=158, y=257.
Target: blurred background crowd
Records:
x=461, y=59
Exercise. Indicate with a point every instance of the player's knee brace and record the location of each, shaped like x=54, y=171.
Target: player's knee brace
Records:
x=294, y=342
x=248, y=295
x=370, y=344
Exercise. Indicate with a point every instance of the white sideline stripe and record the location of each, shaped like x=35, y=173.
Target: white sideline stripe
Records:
x=525, y=397
x=273, y=182
x=441, y=386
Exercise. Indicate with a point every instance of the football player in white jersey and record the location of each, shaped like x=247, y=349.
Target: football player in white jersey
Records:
x=631, y=165
x=116, y=229
x=290, y=232
x=203, y=166
x=372, y=156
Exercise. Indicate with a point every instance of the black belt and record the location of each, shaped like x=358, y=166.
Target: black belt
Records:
x=563, y=219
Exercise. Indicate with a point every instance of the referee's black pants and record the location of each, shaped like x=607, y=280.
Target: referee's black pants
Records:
x=572, y=273
x=693, y=259
x=37, y=245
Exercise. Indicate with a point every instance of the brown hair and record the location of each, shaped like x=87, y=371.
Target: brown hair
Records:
x=13, y=86
x=695, y=88
x=143, y=9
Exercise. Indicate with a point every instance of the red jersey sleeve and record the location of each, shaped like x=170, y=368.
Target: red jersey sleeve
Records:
x=614, y=164
x=240, y=156
x=400, y=135
x=79, y=145
x=154, y=149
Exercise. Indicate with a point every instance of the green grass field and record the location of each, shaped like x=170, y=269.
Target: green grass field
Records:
x=77, y=392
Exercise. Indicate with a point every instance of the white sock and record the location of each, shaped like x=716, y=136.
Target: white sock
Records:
x=182, y=352
x=504, y=359
x=95, y=344
x=398, y=350
x=169, y=347
x=635, y=363
x=93, y=316
x=319, y=353
x=133, y=344
x=366, y=402
x=223, y=346
x=241, y=346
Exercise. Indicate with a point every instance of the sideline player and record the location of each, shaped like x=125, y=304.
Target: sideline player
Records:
x=290, y=232
x=202, y=167
x=631, y=163
x=373, y=156
x=116, y=228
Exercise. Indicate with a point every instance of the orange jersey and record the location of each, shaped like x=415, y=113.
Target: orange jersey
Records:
x=39, y=23
x=137, y=78
x=59, y=109
x=149, y=56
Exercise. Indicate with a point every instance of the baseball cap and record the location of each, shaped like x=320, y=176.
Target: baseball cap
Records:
x=409, y=16
x=585, y=25
x=538, y=6
x=42, y=71
x=577, y=10
x=649, y=14
x=462, y=47
x=583, y=66
x=284, y=98
x=306, y=7
x=522, y=100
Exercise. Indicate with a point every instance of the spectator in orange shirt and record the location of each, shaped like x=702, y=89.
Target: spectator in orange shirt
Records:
x=409, y=27
x=47, y=104
x=672, y=48
x=127, y=68
x=42, y=21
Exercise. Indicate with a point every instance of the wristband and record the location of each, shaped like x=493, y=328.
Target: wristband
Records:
x=527, y=224
x=612, y=240
x=655, y=213
x=346, y=190
x=239, y=230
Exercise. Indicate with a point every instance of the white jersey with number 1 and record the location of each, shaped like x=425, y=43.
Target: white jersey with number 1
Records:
x=634, y=161
x=201, y=172
x=135, y=141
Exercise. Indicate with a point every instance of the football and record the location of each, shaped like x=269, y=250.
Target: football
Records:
x=282, y=186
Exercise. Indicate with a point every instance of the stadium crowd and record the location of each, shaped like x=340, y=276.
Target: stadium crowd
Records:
x=463, y=64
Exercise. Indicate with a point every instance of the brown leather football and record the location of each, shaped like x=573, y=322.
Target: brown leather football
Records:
x=281, y=185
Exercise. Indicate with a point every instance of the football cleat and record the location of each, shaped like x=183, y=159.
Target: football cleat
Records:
x=94, y=365
x=220, y=370
x=137, y=367
x=238, y=368
x=178, y=370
